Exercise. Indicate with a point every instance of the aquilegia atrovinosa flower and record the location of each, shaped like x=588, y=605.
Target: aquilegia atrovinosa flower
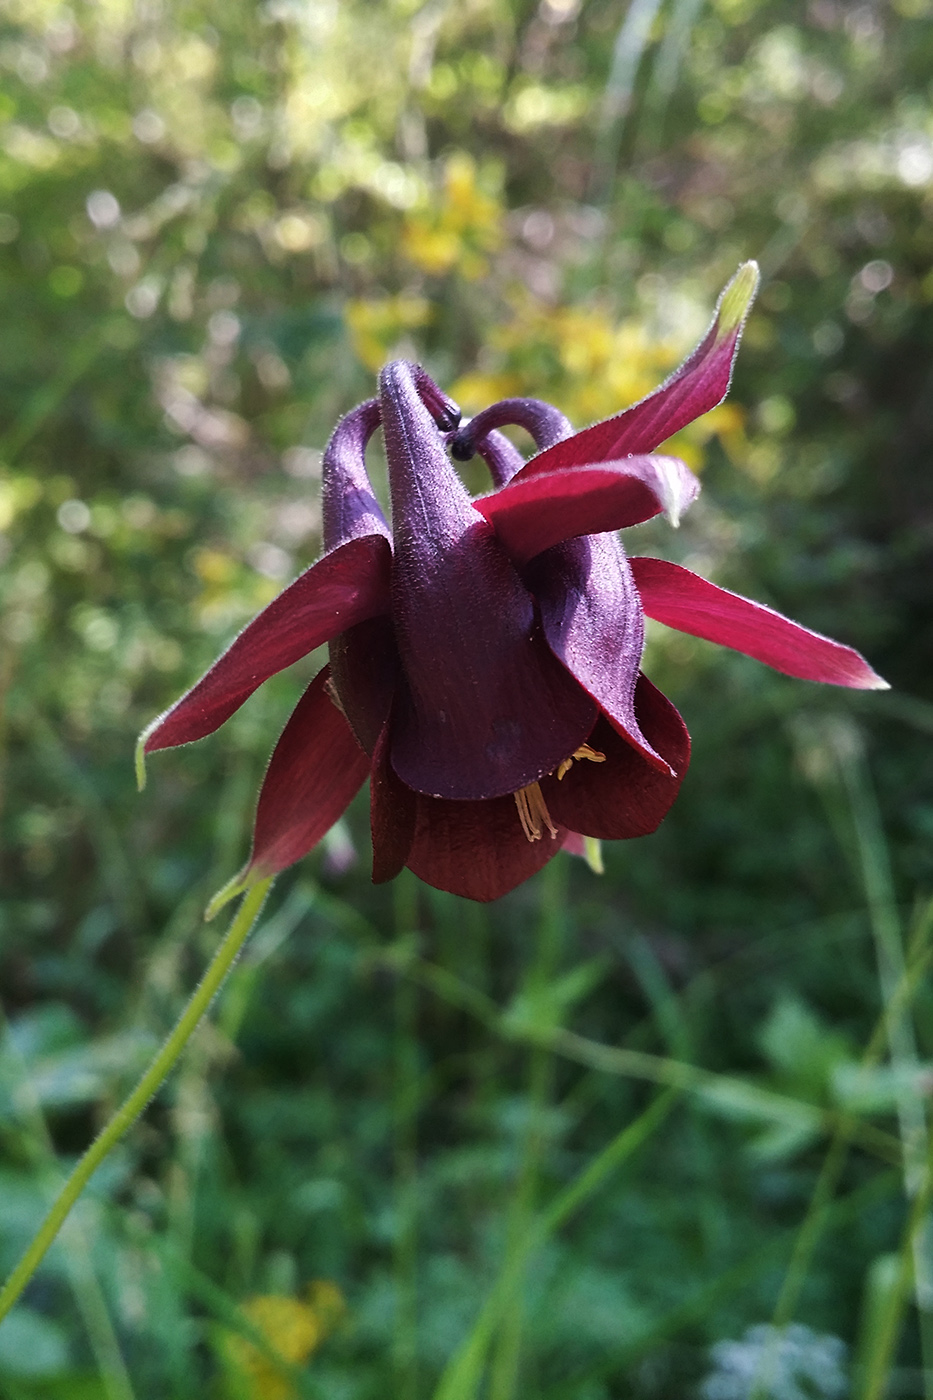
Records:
x=485, y=654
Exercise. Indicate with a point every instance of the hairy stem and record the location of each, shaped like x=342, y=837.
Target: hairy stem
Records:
x=134, y=1104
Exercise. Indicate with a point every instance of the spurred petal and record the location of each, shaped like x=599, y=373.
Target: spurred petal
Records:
x=593, y=622
x=392, y=811
x=532, y=513
x=545, y=423
x=701, y=382
x=501, y=457
x=476, y=849
x=681, y=599
x=483, y=707
x=445, y=412
x=316, y=770
x=345, y=587
x=624, y=795
x=349, y=507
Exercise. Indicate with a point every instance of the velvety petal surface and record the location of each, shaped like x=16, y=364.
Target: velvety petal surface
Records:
x=624, y=796
x=349, y=508
x=476, y=849
x=698, y=385
x=501, y=457
x=345, y=587
x=483, y=707
x=532, y=513
x=593, y=622
x=316, y=770
x=545, y=424
x=675, y=596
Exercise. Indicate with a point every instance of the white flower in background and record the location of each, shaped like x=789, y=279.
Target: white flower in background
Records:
x=774, y=1363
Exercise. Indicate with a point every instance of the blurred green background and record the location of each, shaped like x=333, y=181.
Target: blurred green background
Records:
x=559, y=1147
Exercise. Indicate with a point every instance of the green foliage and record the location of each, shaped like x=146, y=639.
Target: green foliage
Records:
x=562, y=1146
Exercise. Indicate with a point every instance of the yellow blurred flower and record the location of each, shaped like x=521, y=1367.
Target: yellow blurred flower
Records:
x=376, y=325
x=212, y=566
x=459, y=229
x=293, y=1328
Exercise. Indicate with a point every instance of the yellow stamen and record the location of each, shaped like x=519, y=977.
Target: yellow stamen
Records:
x=533, y=813
x=584, y=751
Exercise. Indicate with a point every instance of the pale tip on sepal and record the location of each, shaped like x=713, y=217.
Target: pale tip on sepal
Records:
x=736, y=300
x=672, y=494
x=140, y=760
x=593, y=854
x=238, y=885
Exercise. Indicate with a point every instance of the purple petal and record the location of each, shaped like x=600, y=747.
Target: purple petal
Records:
x=593, y=622
x=501, y=457
x=484, y=708
x=316, y=770
x=623, y=796
x=681, y=599
x=545, y=423
x=589, y=605
x=532, y=513
x=700, y=383
x=443, y=410
x=348, y=504
x=476, y=849
x=345, y=587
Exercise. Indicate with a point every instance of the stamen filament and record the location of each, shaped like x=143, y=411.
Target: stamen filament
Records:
x=533, y=813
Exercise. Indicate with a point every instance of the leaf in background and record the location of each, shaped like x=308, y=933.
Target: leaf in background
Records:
x=801, y=1046
x=879, y=1088
x=545, y=1008
x=31, y=1346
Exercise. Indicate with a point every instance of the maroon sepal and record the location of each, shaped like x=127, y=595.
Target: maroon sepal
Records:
x=623, y=796
x=681, y=599
x=345, y=587
x=532, y=513
x=316, y=770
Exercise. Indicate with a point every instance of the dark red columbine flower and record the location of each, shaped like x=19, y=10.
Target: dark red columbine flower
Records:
x=484, y=654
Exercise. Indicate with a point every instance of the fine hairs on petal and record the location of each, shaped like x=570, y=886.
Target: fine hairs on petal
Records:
x=681, y=599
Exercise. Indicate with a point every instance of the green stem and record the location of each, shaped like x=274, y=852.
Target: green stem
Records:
x=133, y=1106
x=878, y=1379
x=406, y=1092
x=895, y=1008
x=506, y=1362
